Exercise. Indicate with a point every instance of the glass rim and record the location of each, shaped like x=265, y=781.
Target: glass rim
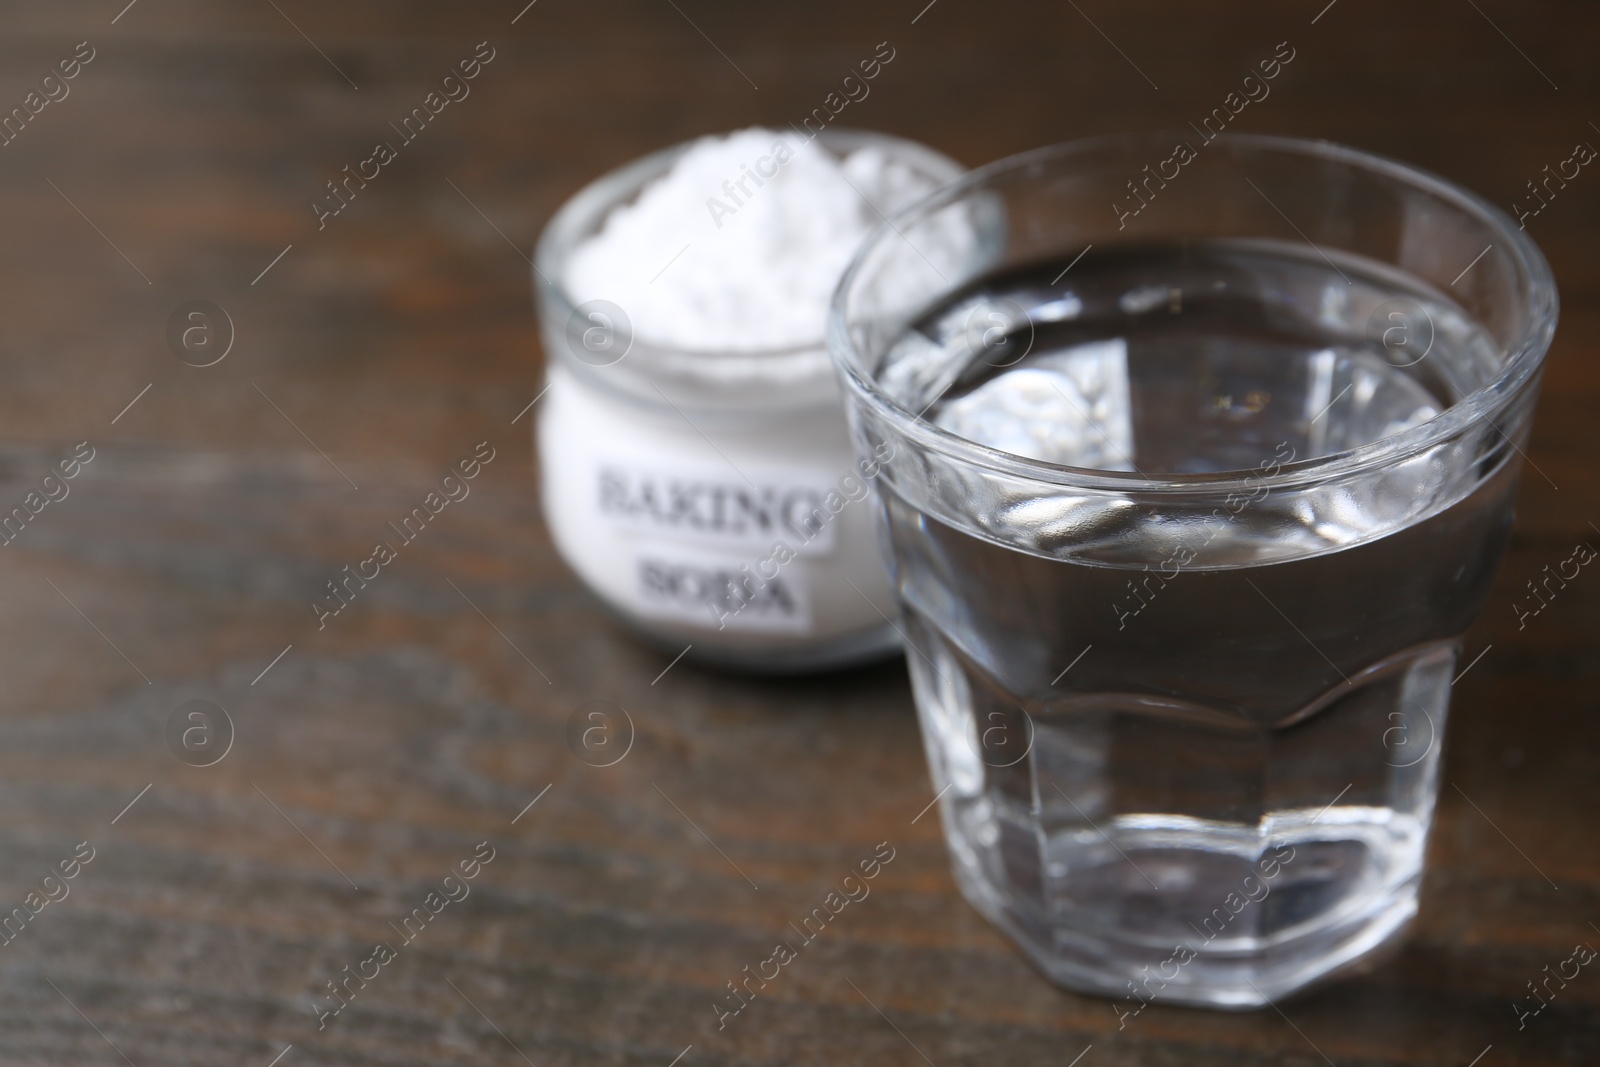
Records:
x=1524, y=356
x=597, y=198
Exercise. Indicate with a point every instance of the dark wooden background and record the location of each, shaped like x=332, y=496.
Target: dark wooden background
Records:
x=379, y=751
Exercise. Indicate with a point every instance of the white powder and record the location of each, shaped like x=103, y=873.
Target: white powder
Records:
x=702, y=262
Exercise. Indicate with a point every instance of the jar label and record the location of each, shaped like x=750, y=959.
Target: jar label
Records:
x=749, y=509
x=719, y=592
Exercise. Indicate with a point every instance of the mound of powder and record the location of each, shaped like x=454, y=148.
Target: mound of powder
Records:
x=740, y=244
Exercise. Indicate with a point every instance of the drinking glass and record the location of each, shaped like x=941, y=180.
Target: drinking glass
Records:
x=1198, y=475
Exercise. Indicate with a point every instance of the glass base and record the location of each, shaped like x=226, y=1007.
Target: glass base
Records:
x=1238, y=976
x=1163, y=859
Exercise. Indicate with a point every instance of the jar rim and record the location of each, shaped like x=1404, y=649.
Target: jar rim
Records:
x=1523, y=356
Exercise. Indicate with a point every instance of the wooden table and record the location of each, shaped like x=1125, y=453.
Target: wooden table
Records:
x=371, y=756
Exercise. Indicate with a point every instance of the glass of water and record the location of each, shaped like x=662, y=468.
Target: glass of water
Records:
x=1199, y=473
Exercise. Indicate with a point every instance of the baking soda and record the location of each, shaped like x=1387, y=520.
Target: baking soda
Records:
x=700, y=478
x=740, y=244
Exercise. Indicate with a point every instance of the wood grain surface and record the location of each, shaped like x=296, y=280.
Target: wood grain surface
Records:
x=373, y=755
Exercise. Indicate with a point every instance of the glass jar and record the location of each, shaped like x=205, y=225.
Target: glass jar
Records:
x=711, y=499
